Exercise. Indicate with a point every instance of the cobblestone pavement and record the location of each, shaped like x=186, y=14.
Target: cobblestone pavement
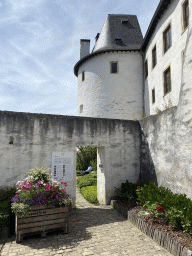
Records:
x=93, y=230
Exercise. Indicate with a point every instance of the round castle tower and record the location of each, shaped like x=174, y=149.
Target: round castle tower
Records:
x=110, y=79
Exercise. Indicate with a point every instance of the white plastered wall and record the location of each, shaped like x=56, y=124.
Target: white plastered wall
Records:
x=107, y=95
x=172, y=58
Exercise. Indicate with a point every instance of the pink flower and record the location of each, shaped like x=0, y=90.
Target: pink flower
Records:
x=60, y=179
x=159, y=208
x=56, y=178
x=65, y=183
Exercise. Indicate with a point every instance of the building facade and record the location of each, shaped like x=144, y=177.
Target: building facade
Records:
x=128, y=77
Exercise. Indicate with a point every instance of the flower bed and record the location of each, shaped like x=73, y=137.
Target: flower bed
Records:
x=161, y=231
x=47, y=196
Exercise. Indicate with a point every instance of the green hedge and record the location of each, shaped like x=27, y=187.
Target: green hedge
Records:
x=87, y=180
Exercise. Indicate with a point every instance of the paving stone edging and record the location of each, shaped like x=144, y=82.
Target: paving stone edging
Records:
x=158, y=236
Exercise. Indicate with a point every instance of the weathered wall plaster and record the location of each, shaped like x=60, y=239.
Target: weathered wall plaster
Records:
x=36, y=136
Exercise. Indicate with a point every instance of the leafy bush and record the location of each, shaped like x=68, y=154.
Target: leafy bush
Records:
x=86, y=155
x=128, y=191
x=90, y=194
x=6, y=216
x=87, y=180
x=161, y=202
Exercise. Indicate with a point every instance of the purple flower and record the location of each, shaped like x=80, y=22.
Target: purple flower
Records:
x=52, y=204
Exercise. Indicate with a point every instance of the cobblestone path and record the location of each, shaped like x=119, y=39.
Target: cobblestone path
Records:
x=93, y=230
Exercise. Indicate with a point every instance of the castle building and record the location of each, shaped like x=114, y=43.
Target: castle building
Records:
x=128, y=77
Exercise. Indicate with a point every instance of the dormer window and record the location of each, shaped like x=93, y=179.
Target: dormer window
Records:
x=124, y=22
x=118, y=41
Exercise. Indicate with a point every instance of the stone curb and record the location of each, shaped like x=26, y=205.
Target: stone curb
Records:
x=158, y=236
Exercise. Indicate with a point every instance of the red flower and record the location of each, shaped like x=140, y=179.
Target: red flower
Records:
x=142, y=202
x=138, y=186
x=159, y=208
x=146, y=207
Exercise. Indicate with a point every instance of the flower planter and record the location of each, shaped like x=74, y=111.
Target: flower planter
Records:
x=41, y=220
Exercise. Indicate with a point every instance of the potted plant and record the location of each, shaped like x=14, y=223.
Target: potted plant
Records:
x=40, y=204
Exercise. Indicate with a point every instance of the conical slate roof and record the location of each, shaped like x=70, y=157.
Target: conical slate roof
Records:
x=120, y=32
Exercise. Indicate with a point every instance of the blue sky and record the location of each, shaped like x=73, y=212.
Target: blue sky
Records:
x=40, y=44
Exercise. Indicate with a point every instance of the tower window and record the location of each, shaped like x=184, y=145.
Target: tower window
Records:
x=167, y=81
x=146, y=69
x=81, y=108
x=113, y=67
x=185, y=14
x=83, y=75
x=154, y=57
x=167, y=38
x=118, y=41
x=153, y=95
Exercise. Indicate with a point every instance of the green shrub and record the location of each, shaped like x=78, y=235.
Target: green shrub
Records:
x=84, y=156
x=90, y=194
x=87, y=180
x=6, y=216
x=94, y=165
x=79, y=173
x=176, y=208
x=128, y=191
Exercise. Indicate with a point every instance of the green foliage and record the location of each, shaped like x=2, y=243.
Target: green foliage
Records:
x=84, y=156
x=5, y=206
x=94, y=164
x=144, y=116
x=87, y=180
x=158, y=111
x=160, y=202
x=176, y=207
x=128, y=190
x=90, y=194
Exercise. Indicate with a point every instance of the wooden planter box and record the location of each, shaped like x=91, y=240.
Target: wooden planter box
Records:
x=41, y=220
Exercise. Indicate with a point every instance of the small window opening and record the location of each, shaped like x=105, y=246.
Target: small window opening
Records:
x=63, y=170
x=113, y=67
x=167, y=81
x=81, y=108
x=167, y=38
x=55, y=170
x=154, y=57
x=153, y=95
x=146, y=69
x=124, y=22
x=118, y=41
x=83, y=76
x=185, y=14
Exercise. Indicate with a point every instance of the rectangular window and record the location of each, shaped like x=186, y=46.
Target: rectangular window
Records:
x=81, y=108
x=83, y=76
x=146, y=69
x=154, y=57
x=185, y=14
x=167, y=81
x=153, y=95
x=113, y=67
x=167, y=38
x=55, y=171
x=63, y=170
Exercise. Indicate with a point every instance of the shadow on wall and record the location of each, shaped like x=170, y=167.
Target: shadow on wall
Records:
x=147, y=172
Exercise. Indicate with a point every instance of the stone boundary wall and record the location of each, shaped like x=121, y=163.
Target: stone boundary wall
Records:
x=158, y=236
x=166, y=152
